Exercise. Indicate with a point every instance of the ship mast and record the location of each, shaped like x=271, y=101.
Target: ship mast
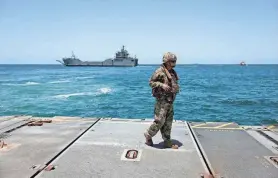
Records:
x=72, y=54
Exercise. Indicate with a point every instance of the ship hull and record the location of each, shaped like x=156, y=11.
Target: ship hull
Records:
x=106, y=63
x=69, y=65
x=121, y=59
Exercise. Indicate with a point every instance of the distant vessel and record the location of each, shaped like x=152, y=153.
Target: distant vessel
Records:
x=121, y=59
x=242, y=63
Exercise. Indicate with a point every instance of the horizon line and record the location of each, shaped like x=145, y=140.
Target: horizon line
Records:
x=159, y=64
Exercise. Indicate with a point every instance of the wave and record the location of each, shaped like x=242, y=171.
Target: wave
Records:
x=84, y=77
x=104, y=90
x=21, y=84
x=239, y=101
x=60, y=81
x=100, y=91
x=72, y=94
x=34, y=83
x=266, y=102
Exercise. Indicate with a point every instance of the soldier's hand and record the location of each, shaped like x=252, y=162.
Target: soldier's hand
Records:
x=166, y=87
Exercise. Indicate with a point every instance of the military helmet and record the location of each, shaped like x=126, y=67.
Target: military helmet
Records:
x=169, y=57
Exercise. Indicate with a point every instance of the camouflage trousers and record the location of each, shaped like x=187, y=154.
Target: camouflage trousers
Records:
x=163, y=118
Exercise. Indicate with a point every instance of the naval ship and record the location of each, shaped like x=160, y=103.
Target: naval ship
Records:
x=121, y=59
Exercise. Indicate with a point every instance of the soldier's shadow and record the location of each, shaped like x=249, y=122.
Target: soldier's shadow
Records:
x=161, y=144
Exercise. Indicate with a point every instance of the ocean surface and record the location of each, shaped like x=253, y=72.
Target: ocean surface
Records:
x=233, y=93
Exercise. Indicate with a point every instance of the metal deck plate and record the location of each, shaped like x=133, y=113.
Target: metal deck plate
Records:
x=13, y=122
x=36, y=145
x=5, y=118
x=99, y=153
x=235, y=154
x=263, y=140
x=216, y=125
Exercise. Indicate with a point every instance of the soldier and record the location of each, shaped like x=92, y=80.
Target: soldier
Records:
x=164, y=88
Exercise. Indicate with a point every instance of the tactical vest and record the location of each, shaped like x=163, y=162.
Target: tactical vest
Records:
x=171, y=81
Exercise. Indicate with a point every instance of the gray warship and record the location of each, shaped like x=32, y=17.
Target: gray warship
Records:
x=121, y=59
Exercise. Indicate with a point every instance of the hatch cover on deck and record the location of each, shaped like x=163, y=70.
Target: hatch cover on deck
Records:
x=131, y=155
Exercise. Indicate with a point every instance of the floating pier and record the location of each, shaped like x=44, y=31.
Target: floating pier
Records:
x=71, y=147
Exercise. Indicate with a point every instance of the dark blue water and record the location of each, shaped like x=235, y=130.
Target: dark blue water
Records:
x=246, y=95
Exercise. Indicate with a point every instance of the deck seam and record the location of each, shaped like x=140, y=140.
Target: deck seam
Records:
x=201, y=152
x=24, y=123
x=64, y=149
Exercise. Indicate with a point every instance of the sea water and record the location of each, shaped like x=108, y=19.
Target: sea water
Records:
x=229, y=93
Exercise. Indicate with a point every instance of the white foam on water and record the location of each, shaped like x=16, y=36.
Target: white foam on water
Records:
x=11, y=84
x=100, y=91
x=32, y=83
x=84, y=77
x=73, y=94
x=60, y=81
x=21, y=84
x=104, y=90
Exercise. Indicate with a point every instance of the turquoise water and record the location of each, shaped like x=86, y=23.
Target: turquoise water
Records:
x=246, y=95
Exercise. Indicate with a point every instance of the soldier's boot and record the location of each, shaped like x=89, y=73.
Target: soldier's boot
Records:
x=149, y=140
x=169, y=144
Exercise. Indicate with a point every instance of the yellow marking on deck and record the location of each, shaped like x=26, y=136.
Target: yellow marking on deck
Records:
x=216, y=127
x=60, y=120
x=224, y=130
x=223, y=125
x=271, y=126
x=198, y=125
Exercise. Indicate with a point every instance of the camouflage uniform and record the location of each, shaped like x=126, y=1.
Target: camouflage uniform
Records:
x=163, y=111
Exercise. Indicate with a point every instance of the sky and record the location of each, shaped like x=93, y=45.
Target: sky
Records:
x=197, y=31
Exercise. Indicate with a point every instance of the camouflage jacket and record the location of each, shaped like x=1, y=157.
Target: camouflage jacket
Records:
x=163, y=76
